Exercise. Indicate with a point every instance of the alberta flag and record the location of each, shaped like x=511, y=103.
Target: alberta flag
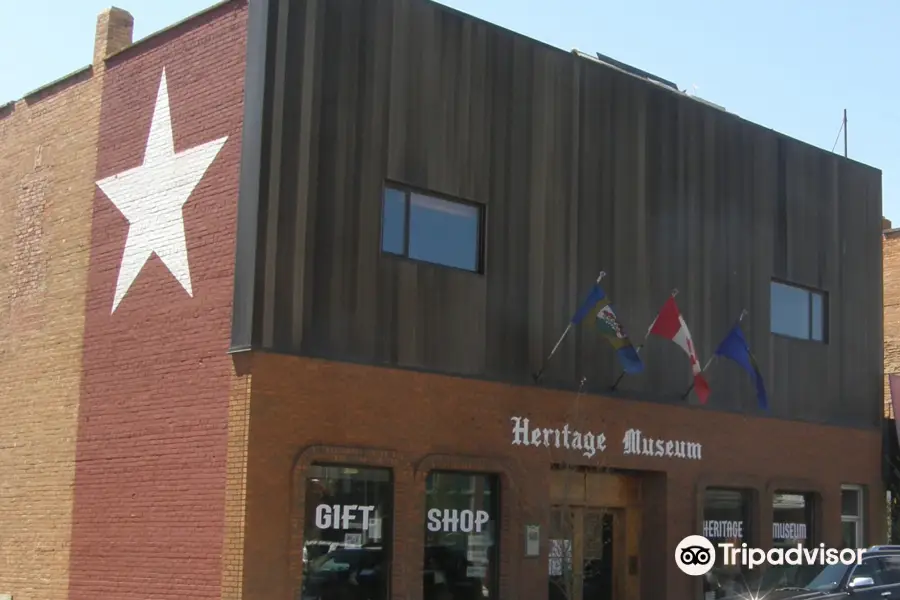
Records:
x=735, y=347
x=608, y=325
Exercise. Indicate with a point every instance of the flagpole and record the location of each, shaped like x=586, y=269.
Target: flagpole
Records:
x=638, y=349
x=744, y=313
x=537, y=376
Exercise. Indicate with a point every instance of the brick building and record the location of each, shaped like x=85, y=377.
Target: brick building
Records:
x=891, y=308
x=277, y=371
x=115, y=436
x=48, y=142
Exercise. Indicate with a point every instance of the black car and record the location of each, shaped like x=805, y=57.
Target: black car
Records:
x=878, y=577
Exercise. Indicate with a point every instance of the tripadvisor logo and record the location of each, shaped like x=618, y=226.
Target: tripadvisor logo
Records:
x=695, y=555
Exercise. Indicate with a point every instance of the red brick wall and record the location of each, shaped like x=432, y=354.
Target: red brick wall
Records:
x=150, y=476
x=304, y=409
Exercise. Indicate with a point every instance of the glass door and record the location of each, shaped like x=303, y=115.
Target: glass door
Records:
x=583, y=554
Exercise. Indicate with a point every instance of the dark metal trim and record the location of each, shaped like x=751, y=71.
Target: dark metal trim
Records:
x=261, y=20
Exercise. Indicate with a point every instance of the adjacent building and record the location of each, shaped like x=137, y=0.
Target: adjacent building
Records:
x=117, y=254
x=327, y=247
x=48, y=142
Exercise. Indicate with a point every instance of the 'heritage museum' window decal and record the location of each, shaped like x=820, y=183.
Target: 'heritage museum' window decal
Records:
x=792, y=519
x=726, y=519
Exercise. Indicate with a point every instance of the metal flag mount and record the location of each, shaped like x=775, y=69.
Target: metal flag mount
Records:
x=638, y=349
x=537, y=376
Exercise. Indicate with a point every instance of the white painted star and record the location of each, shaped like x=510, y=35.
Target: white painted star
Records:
x=152, y=195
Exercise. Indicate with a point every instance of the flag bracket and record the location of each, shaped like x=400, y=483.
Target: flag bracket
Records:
x=537, y=376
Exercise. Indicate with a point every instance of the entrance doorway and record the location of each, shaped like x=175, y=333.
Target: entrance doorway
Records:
x=594, y=534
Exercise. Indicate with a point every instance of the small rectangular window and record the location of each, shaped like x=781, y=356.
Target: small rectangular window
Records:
x=817, y=317
x=850, y=502
x=433, y=230
x=393, y=222
x=798, y=312
x=852, y=517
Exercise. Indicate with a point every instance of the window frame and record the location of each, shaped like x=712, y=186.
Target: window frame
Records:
x=811, y=292
x=860, y=519
x=495, y=508
x=408, y=190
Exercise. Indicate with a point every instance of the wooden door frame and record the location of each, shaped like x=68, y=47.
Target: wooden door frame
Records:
x=614, y=493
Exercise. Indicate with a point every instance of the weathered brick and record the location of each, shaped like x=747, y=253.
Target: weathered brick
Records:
x=150, y=516
x=48, y=146
x=891, y=266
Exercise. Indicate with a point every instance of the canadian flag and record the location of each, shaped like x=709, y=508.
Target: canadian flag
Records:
x=670, y=325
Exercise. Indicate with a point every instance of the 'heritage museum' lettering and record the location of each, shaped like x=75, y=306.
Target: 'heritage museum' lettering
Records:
x=567, y=438
x=588, y=443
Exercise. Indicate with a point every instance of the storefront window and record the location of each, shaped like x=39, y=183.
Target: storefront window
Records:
x=852, y=516
x=461, y=532
x=726, y=519
x=346, y=541
x=792, y=521
x=792, y=524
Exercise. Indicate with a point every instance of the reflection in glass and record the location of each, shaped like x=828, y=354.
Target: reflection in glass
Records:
x=726, y=519
x=791, y=519
x=850, y=503
x=346, y=540
x=818, y=317
x=790, y=310
x=561, y=575
x=597, y=532
x=849, y=535
x=445, y=233
x=393, y=222
x=462, y=524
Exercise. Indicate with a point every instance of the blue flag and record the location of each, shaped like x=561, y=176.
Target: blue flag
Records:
x=608, y=325
x=735, y=347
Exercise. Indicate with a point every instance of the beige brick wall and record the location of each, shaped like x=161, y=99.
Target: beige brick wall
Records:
x=891, y=311
x=236, y=481
x=48, y=146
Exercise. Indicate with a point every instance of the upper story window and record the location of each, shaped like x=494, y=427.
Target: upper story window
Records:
x=430, y=229
x=798, y=312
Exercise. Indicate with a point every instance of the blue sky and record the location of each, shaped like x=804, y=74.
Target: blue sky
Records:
x=791, y=65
